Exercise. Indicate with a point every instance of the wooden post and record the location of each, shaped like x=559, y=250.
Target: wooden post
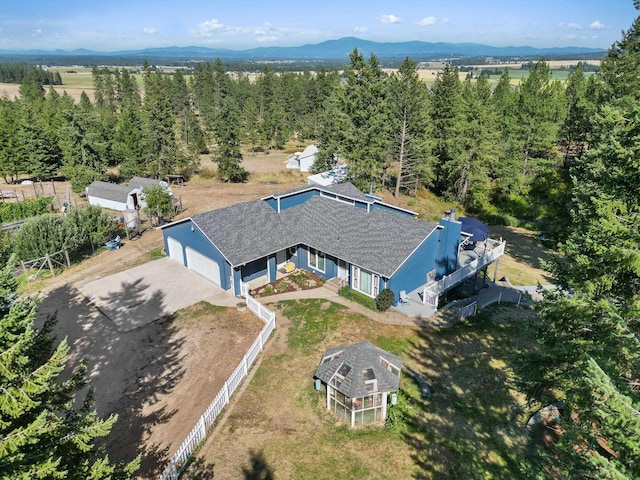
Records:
x=50, y=264
x=66, y=256
x=35, y=190
x=24, y=267
x=53, y=186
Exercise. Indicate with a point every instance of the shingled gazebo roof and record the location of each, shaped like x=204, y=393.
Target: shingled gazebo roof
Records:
x=359, y=363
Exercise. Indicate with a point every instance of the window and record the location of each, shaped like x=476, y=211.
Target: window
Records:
x=316, y=259
x=366, y=282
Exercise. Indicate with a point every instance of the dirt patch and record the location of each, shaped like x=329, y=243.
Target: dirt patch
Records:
x=159, y=378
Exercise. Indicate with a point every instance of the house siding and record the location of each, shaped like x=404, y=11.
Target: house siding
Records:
x=297, y=199
x=447, y=255
x=105, y=203
x=413, y=271
x=197, y=241
x=389, y=208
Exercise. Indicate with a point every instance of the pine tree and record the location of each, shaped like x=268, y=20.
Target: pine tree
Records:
x=446, y=116
x=227, y=153
x=161, y=151
x=43, y=432
x=409, y=104
x=361, y=132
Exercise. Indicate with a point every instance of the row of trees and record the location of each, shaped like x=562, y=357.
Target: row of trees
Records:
x=489, y=149
x=19, y=72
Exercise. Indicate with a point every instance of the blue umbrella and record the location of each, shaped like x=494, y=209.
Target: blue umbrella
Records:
x=478, y=230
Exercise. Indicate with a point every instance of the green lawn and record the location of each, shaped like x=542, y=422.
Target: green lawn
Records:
x=472, y=427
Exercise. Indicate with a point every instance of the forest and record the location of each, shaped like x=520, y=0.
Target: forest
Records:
x=561, y=157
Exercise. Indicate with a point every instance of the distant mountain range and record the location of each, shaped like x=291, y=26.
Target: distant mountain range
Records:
x=329, y=50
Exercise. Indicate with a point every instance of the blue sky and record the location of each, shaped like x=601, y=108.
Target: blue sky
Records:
x=108, y=25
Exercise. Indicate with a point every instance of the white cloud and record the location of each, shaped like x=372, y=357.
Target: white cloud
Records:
x=426, y=21
x=37, y=32
x=267, y=39
x=446, y=21
x=360, y=29
x=149, y=31
x=390, y=19
x=210, y=27
x=571, y=25
x=597, y=26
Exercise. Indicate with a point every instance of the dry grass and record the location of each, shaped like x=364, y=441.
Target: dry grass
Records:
x=471, y=428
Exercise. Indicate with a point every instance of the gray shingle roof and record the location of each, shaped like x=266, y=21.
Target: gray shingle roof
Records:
x=142, y=182
x=359, y=357
x=378, y=241
x=244, y=232
x=109, y=191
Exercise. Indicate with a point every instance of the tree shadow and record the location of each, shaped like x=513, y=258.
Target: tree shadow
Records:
x=474, y=424
x=258, y=468
x=129, y=368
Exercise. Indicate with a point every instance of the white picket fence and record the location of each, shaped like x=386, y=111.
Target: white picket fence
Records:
x=199, y=432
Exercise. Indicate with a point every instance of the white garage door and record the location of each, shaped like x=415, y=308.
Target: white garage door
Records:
x=175, y=250
x=203, y=265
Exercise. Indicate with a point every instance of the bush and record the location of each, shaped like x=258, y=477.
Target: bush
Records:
x=10, y=212
x=358, y=297
x=385, y=299
x=52, y=233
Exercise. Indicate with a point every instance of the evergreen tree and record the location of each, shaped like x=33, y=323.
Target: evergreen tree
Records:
x=227, y=153
x=590, y=339
x=81, y=146
x=12, y=163
x=361, y=129
x=446, y=116
x=46, y=431
x=161, y=151
x=540, y=113
x=409, y=100
x=471, y=172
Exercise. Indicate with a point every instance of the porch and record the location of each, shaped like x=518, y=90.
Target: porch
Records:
x=423, y=301
x=415, y=308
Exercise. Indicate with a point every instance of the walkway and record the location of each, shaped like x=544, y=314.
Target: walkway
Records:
x=485, y=297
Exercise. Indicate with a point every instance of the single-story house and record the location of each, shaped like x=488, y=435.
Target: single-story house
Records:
x=304, y=160
x=358, y=380
x=334, y=231
x=122, y=197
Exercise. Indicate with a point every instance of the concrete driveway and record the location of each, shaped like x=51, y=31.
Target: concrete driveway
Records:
x=143, y=294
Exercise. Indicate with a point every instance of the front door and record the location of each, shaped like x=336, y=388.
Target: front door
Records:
x=343, y=270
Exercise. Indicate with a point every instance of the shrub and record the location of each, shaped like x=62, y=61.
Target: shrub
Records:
x=385, y=299
x=24, y=209
x=358, y=297
x=282, y=286
x=299, y=277
x=51, y=233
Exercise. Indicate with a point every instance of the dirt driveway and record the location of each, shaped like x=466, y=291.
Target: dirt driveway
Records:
x=140, y=295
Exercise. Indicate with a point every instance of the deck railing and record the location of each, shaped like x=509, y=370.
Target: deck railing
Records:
x=199, y=432
x=447, y=282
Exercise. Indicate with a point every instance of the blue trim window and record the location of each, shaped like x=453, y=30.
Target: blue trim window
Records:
x=316, y=259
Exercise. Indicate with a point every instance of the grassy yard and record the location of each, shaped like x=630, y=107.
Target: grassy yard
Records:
x=472, y=427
